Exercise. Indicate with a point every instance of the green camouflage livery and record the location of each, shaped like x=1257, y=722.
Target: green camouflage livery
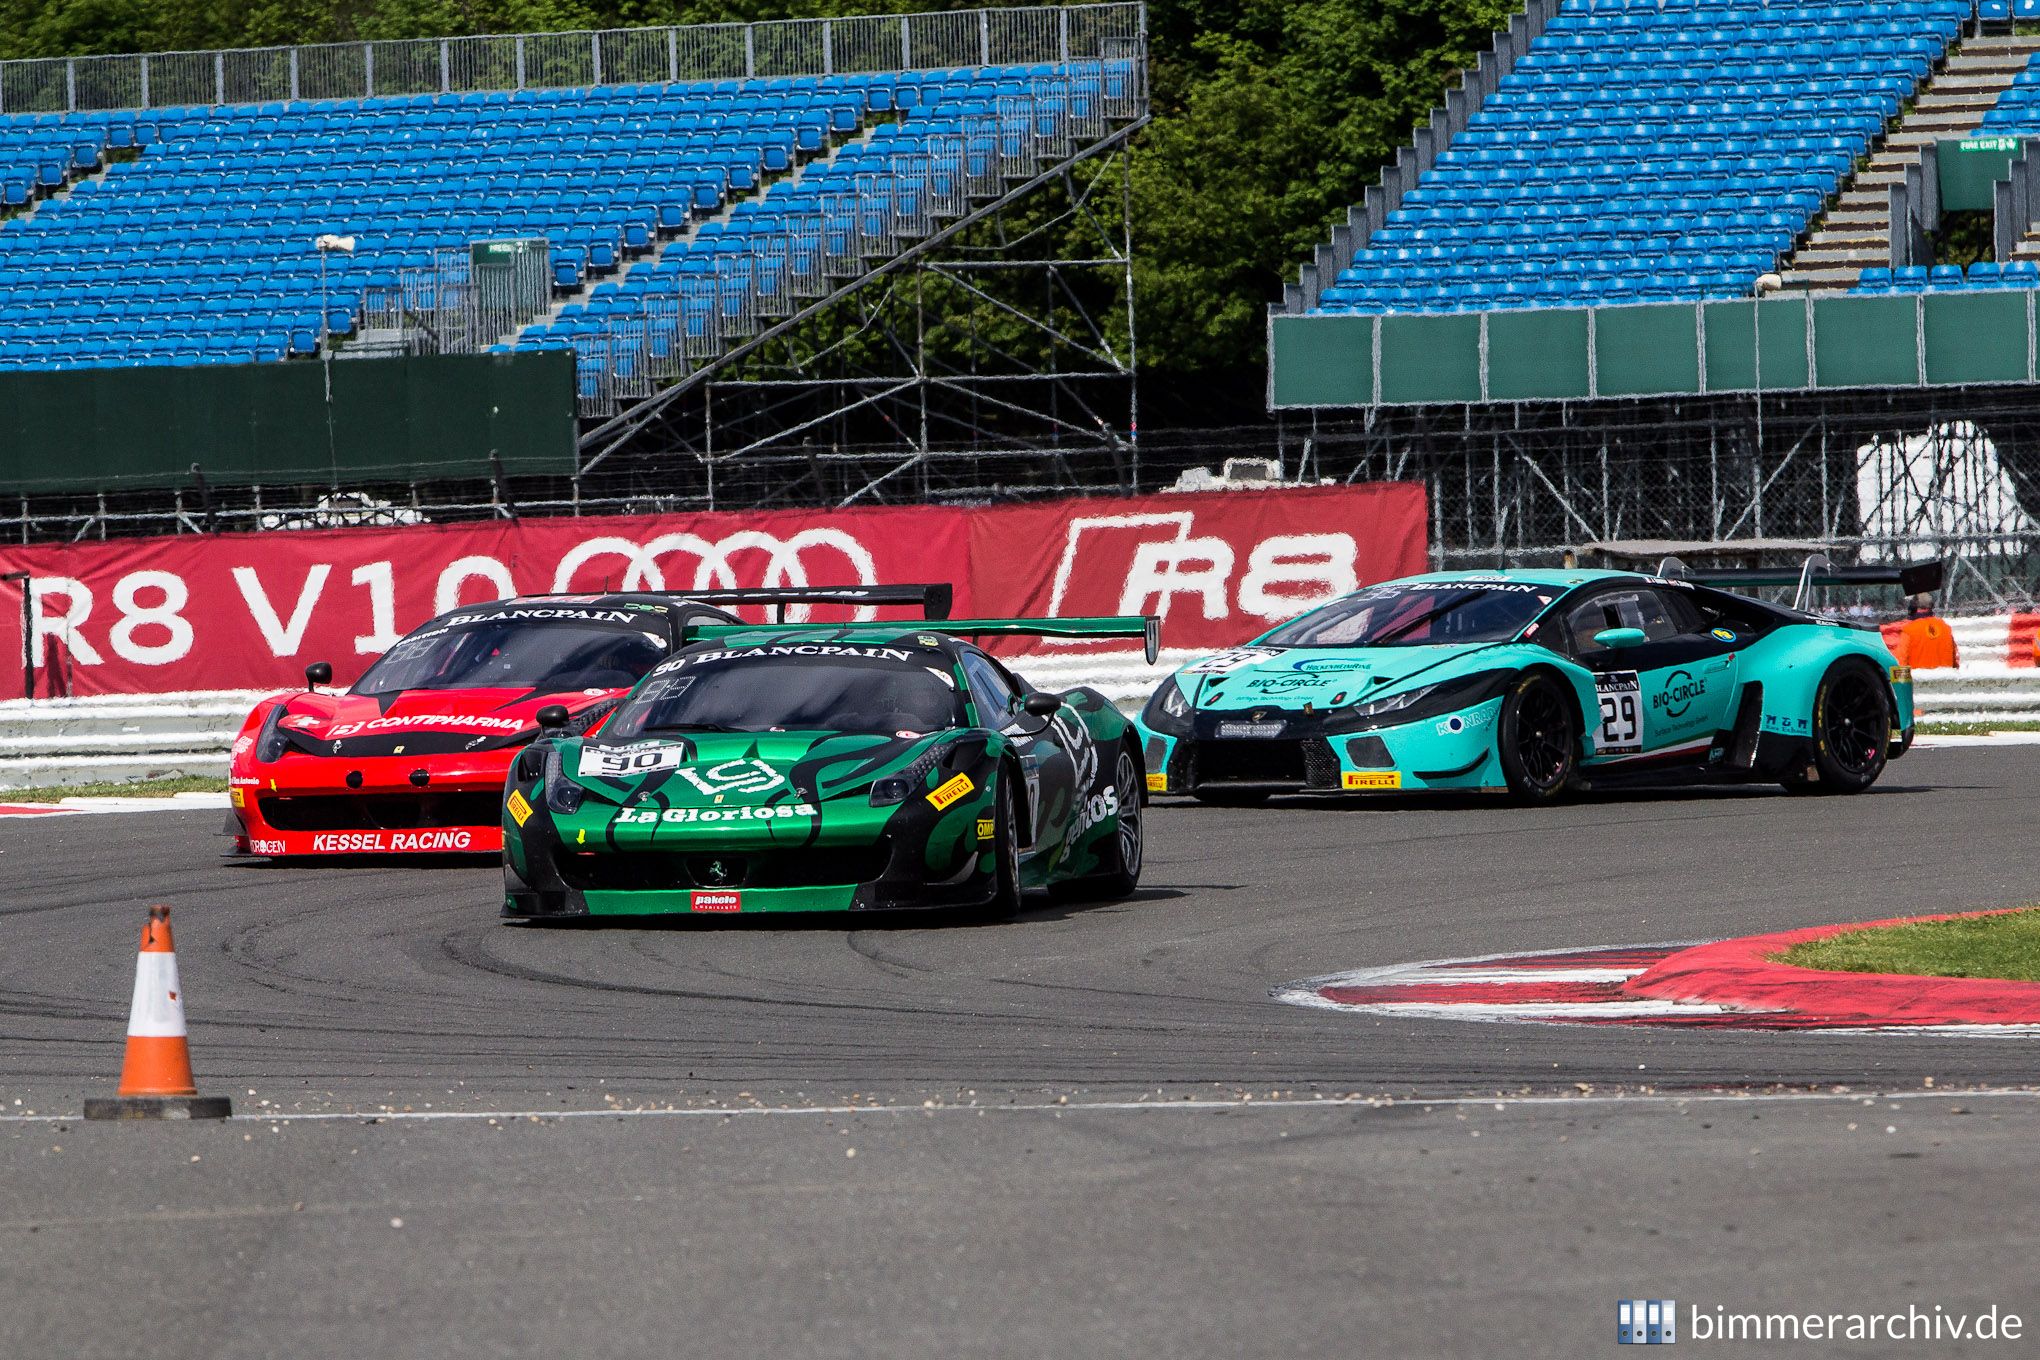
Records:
x=1021, y=791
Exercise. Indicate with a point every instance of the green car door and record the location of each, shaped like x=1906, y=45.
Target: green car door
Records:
x=1664, y=679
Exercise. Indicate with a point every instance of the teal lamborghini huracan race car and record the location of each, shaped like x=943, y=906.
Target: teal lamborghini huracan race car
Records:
x=1535, y=682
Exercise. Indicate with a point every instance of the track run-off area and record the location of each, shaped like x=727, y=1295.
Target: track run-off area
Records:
x=1091, y=1130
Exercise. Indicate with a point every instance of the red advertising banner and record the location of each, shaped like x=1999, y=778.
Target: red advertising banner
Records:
x=248, y=611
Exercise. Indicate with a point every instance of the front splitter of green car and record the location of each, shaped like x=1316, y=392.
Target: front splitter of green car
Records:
x=1234, y=748
x=752, y=823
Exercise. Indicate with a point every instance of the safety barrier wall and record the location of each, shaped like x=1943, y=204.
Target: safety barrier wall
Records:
x=213, y=611
x=384, y=420
x=72, y=741
x=1678, y=349
x=792, y=47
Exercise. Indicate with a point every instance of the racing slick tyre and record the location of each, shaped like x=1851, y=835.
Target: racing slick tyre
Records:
x=1005, y=901
x=1537, y=739
x=1121, y=857
x=1222, y=797
x=1851, y=730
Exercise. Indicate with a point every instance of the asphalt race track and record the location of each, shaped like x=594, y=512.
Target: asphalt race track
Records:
x=1085, y=1132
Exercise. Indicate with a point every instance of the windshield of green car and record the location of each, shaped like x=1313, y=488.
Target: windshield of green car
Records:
x=1419, y=614
x=798, y=687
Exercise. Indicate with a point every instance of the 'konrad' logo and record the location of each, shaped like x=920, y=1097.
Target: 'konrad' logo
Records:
x=1646, y=1322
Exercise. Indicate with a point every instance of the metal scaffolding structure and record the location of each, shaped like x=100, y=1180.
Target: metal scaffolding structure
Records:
x=1900, y=474
x=1000, y=353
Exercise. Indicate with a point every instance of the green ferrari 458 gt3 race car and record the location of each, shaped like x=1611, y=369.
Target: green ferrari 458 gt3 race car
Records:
x=1533, y=682
x=831, y=768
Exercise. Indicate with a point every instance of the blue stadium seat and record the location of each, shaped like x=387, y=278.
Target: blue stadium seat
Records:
x=199, y=248
x=1655, y=150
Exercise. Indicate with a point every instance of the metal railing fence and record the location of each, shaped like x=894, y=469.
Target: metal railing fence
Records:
x=416, y=66
x=467, y=299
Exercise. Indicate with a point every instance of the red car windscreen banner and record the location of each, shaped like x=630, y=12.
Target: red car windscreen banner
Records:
x=249, y=611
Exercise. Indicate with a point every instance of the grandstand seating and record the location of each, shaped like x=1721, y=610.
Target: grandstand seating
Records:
x=956, y=138
x=2017, y=110
x=1649, y=151
x=196, y=244
x=2016, y=113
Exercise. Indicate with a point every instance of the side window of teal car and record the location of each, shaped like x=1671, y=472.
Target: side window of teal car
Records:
x=1659, y=619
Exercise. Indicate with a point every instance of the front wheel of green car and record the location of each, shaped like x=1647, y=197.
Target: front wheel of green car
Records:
x=1005, y=901
x=1119, y=858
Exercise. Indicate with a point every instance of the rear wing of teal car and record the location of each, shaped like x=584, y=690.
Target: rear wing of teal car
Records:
x=1146, y=627
x=1915, y=578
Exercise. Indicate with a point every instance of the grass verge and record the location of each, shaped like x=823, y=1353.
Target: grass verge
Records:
x=1977, y=729
x=132, y=788
x=2002, y=946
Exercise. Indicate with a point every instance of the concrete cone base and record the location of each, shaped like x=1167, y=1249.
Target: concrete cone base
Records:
x=159, y=1107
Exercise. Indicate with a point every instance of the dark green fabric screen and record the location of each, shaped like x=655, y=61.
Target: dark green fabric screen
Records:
x=391, y=420
x=1782, y=344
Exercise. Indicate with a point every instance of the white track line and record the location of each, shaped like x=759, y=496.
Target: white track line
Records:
x=1201, y=1105
x=176, y=802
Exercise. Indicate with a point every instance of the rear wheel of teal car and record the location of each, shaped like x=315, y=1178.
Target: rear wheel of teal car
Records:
x=1851, y=730
x=1538, y=739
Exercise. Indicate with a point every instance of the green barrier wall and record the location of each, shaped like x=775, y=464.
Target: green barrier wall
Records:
x=1536, y=354
x=1782, y=344
x=1647, y=351
x=1977, y=338
x=1326, y=365
x=1430, y=359
x=391, y=420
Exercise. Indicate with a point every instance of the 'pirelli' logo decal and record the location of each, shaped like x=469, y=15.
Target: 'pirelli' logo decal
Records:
x=949, y=792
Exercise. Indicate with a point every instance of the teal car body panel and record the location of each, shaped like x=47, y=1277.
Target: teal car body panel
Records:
x=1731, y=696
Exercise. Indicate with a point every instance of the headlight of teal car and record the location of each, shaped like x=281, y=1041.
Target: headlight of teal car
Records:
x=1168, y=710
x=1425, y=701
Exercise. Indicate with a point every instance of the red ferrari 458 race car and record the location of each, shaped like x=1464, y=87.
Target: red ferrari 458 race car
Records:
x=412, y=758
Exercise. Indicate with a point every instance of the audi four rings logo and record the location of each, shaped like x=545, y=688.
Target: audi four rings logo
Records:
x=787, y=562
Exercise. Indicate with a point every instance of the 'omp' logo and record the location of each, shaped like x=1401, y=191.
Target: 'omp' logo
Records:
x=1680, y=690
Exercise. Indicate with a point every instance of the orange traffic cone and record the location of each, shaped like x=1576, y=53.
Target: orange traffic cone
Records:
x=155, y=1079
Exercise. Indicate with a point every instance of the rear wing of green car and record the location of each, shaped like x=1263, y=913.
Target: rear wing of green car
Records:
x=1146, y=627
x=935, y=601
x=1916, y=578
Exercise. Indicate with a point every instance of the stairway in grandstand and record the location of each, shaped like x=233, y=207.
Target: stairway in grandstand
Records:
x=1634, y=151
x=672, y=220
x=1959, y=101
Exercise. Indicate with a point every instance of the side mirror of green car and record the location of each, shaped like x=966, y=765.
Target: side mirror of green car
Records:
x=1621, y=637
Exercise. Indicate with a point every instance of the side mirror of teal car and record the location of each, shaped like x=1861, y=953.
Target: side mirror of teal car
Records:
x=1621, y=637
